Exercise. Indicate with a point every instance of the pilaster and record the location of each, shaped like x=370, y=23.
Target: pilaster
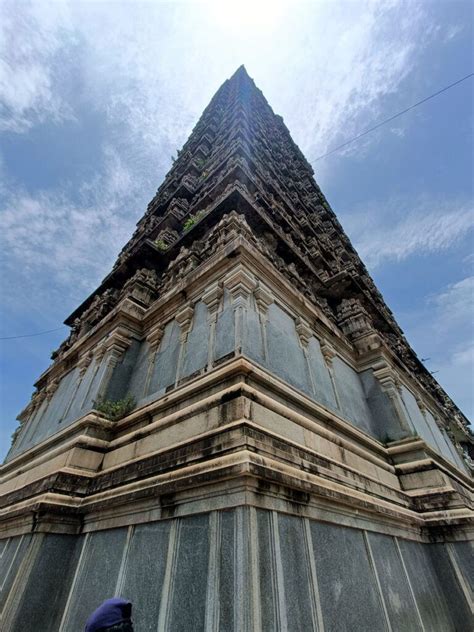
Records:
x=390, y=385
x=240, y=284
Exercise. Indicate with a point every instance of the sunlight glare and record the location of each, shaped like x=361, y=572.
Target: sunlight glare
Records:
x=236, y=15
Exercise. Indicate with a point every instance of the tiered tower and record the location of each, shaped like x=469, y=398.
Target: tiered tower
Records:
x=236, y=435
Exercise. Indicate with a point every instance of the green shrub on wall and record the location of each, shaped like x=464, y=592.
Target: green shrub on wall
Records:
x=115, y=410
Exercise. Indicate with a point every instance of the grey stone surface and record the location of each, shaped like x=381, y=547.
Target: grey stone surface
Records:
x=97, y=576
x=323, y=388
x=168, y=578
x=285, y=355
x=225, y=329
x=144, y=573
x=429, y=594
x=386, y=424
x=118, y=385
x=51, y=420
x=188, y=597
x=10, y=562
x=245, y=543
x=137, y=382
x=197, y=344
x=428, y=430
x=394, y=585
x=166, y=360
x=443, y=443
x=347, y=586
x=352, y=396
x=464, y=556
x=95, y=386
x=44, y=597
x=267, y=572
x=456, y=603
x=26, y=437
x=227, y=571
x=78, y=405
x=252, y=343
x=296, y=574
x=416, y=418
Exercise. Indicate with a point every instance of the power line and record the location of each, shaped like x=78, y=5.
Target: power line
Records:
x=391, y=118
x=39, y=333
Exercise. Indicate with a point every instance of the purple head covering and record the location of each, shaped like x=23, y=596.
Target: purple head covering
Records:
x=110, y=612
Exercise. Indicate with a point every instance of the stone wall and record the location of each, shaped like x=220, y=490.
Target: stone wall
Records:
x=269, y=334
x=241, y=569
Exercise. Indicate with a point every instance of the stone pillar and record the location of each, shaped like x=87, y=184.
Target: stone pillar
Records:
x=154, y=337
x=212, y=298
x=82, y=367
x=184, y=319
x=390, y=385
x=111, y=351
x=304, y=334
x=240, y=284
x=264, y=298
x=329, y=353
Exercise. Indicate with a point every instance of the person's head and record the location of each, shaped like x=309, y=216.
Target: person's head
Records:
x=113, y=615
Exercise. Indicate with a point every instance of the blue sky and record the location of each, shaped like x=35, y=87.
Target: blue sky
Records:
x=95, y=98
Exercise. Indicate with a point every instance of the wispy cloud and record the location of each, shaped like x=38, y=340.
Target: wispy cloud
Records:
x=440, y=327
x=396, y=229
x=454, y=306
x=51, y=243
x=32, y=43
x=150, y=76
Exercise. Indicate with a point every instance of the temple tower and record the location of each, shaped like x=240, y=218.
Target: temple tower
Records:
x=236, y=435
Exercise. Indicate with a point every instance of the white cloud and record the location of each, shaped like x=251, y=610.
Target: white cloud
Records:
x=452, y=31
x=150, y=72
x=441, y=327
x=453, y=341
x=464, y=357
x=455, y=305
x=61, y=244
x=396, y=229
x=31, y=46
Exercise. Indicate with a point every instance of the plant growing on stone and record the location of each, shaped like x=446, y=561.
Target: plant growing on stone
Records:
x=160, y=244
x=192, y=219
x=114, y=409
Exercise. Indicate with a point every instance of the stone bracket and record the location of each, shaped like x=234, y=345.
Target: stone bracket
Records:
x=155, y=336
x=184, y=318
x=212, y=298
x=264, y=298
x=240, y=284
x=304, y=331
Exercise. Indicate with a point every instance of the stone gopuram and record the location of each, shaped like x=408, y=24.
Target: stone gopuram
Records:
x=236, y=435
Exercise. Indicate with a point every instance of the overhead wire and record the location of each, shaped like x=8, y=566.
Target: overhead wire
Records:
x=394, y=116
x=39, y=333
